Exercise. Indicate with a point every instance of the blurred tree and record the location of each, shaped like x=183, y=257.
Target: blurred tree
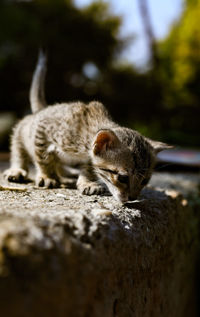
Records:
x=145, y=15
x=180, y=55
x=82, y=47
x=72, y=37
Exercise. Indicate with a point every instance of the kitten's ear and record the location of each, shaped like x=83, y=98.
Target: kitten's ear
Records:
x=105, y=139
x=159, y=146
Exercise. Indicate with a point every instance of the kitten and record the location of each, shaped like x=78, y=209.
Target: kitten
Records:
x=110, y=156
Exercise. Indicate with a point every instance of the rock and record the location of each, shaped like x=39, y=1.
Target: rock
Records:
x=64, y=254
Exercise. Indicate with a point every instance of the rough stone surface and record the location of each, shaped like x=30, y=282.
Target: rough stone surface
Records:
x=64, y=254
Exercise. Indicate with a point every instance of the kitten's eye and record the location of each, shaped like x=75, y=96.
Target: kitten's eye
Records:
x=124, y=179
x=108, y=170
x=145, y=181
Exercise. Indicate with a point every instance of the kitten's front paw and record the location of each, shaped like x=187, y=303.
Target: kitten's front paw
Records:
x=91, y=189
x=16, y=175
x=44, y=181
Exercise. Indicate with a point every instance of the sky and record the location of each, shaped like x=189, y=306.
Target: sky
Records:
x=162, y=13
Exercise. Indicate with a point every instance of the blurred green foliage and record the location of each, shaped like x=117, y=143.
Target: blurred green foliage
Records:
x=180, y=73
x=82, y=46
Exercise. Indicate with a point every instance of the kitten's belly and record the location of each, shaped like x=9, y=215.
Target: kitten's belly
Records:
x=71, y=158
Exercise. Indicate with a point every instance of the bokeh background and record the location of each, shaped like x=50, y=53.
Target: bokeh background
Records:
x=141, y=58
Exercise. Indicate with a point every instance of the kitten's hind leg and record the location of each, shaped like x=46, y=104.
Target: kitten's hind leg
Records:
x=46, y=175
x=66, y=179
x=67, y=182
x=19, y=159
x=88, y=184
x=45, y=159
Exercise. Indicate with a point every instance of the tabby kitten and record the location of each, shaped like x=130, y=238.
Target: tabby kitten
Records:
x=111, y=157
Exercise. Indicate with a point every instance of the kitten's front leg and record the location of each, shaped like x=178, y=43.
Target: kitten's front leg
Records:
x=88, y=184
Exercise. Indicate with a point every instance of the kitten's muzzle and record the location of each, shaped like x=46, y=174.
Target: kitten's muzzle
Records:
x=125, y=198
x=121, y=198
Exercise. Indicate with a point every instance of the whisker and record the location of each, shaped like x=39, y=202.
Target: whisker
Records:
x=102, y=175
x=139, y=175
x=136, y=176
x=163, y=166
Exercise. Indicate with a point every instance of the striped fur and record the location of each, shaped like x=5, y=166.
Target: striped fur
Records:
x=109, y=156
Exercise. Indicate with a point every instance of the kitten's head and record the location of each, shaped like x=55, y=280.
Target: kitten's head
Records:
x=124, y=161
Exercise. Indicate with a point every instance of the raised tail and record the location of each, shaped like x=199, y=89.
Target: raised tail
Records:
x=37, y=96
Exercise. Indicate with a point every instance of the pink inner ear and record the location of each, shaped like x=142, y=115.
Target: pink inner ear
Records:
x=104, y=140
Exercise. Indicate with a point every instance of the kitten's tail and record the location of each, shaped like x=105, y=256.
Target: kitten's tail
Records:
x=37, y=96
